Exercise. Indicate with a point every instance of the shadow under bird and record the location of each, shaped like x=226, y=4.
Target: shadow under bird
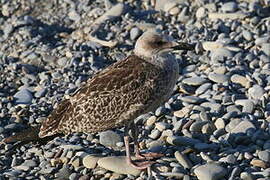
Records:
x=117, y=95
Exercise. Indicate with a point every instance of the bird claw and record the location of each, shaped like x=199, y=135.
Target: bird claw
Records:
x=149, y=156
x=140, y=165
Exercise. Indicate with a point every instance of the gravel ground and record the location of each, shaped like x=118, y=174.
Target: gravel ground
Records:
x=215, y=126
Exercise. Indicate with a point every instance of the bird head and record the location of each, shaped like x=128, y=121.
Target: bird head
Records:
x=152, y=42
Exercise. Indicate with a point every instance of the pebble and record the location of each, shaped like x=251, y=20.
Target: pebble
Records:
x=23, y=96
x=256, y=92
x=248, y=105
x=203, y=88
x=194, y=81
x=264, y=155
x=229, y=7
x=238, y=79
x=243, y=127
x=90, y=161
x=118, y=164
x=109, y=138
x=181, y=141
x=134, y=33
x=218, y=78
x=258, y=163
x=183, y=160
x=210, y=171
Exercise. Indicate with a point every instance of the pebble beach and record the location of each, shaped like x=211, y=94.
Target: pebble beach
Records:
x=214, y=127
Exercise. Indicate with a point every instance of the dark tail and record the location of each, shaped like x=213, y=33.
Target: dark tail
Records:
x=29, y=135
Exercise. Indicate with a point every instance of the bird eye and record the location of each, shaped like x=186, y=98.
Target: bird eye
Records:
x=159, y=42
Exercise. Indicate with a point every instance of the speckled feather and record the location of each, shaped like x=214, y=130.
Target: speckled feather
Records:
x=112, y=98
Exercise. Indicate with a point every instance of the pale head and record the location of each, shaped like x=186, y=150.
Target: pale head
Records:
x=151, y=43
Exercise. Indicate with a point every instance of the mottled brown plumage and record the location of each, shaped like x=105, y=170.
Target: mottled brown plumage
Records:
x=112, y=98
x=117, y=95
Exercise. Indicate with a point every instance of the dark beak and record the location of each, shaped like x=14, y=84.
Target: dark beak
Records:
x=183, y=46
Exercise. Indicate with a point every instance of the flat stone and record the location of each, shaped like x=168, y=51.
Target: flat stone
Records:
x=220, y=53
x=118, y=164
x=90, y=161
x=71, y=147
x=201, y=12
x=258, y=163
x=247, y=176
x=197, y=126
x=243, y=127
x=229, y=7
x=264, y=155
x=23, y=96
x=203, y=88
x=134, y=33
x=183, y=112
x=220, y=123
x=109, y=138
x=191, y=99
x=242, y=80
x=182, y=141
x=248, y=105
x=194, y=81
x=256, y=92
x=266, y=48
x=112, y=13
x=210, y=171
x=209, y=46
x=218, y=78
x=151, y=120
x=183, y=160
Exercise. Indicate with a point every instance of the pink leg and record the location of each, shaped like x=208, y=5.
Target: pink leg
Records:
x=137, y=165
x=148, y=156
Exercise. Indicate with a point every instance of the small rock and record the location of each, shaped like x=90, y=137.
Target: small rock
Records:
x=256, y=92
x=109, y=138
x=183, y=160
x=264, y=155
x=135, y=33
x=210, y=172
x=181, y=141
x=90, y=161
x=23, y=96
x=194, y=81
x=243, y=81
x=151, y=120
x=201, y=12
x=243, y=127
x=229, y=7
x=183, y=112
x=258, y=163
x=118, y=164
x=218, y=78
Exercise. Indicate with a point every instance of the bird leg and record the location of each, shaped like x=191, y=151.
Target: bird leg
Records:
x=150, y=155
x=137, y=165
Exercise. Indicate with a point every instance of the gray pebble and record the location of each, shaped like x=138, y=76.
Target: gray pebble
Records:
x=109, y=138
x=229, y=7
x=23, y=96
x=134, y=33
x=210, y=171
x=194, y=81
x=256, y=92
x=264, y=155
x=218, y=78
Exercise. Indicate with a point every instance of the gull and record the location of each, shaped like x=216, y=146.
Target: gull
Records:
x=117, y=95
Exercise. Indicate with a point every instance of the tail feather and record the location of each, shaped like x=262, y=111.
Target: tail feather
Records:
x=27, y=135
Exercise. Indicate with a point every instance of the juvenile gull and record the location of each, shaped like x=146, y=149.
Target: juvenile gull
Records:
x=120, y=93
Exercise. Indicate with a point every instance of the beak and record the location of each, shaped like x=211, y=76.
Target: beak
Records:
x=182, y=46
